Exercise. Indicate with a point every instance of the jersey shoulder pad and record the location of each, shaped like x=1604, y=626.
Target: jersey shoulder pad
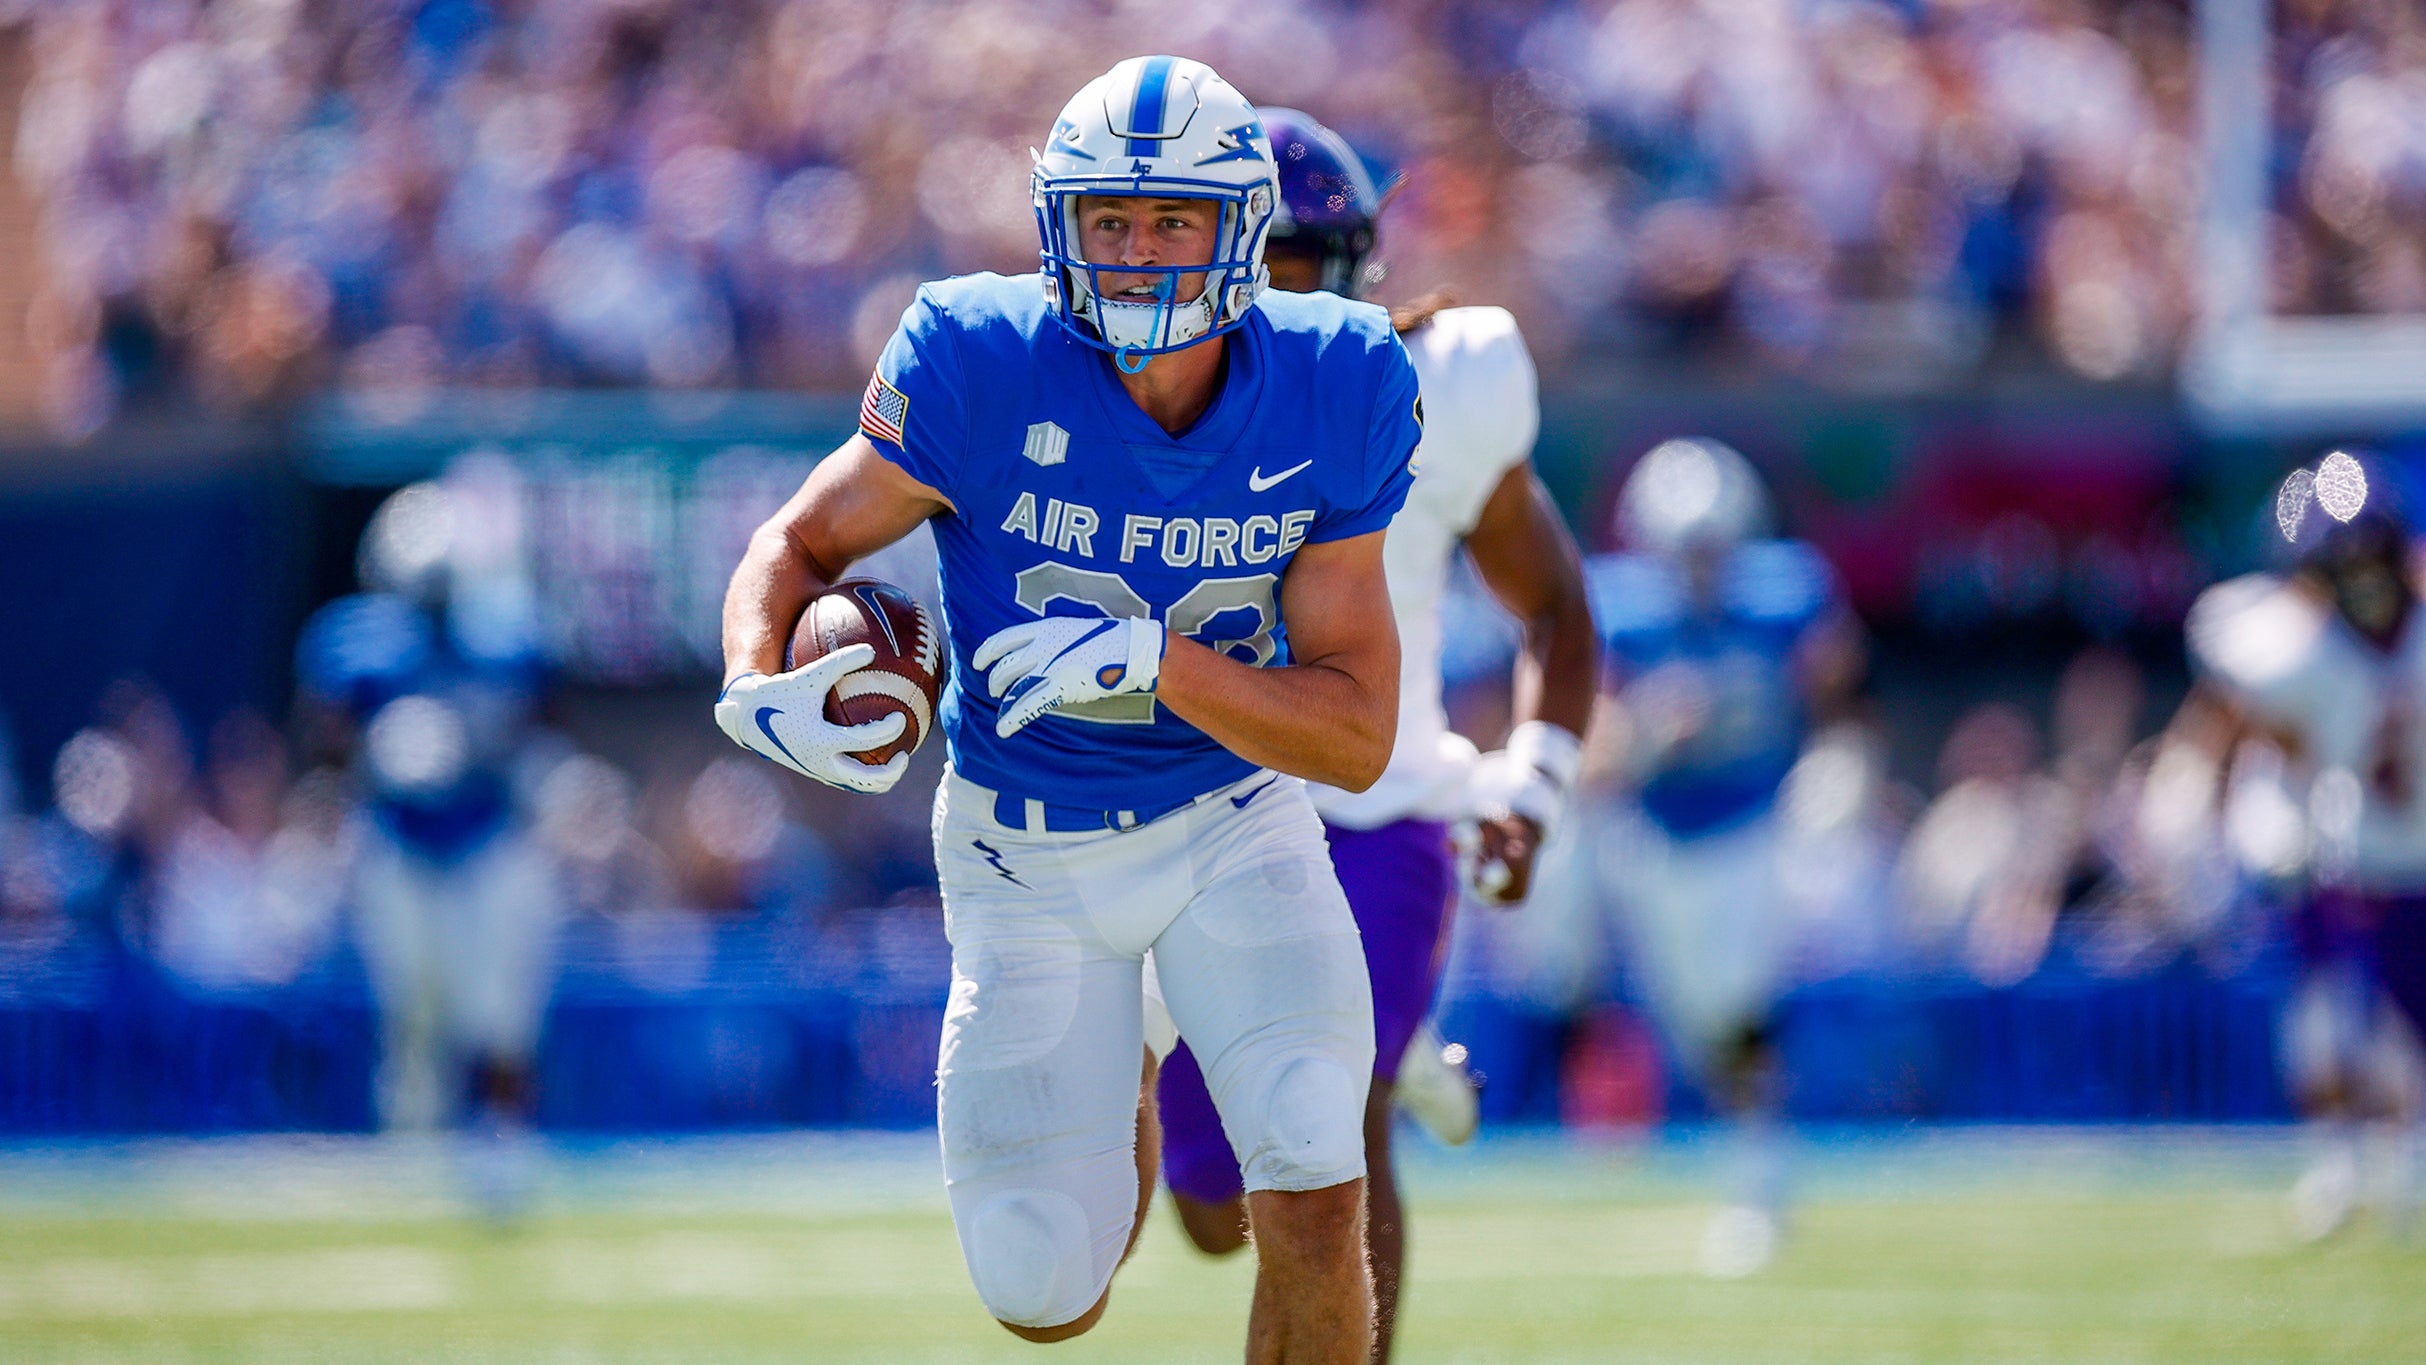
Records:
x=983, y=309
x=965, y=346
x=1782, y=583
x=1478, y=377
x=1635, y=599
x=360, y=650
x=494, y=628
x=1482, y=401
x=1483, y=339
x=1324, y=326
x=2253, y=632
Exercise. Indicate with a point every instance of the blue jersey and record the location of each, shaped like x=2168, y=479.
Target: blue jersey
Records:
x=473, y=674
x=1067, y=500
x=1735, y=657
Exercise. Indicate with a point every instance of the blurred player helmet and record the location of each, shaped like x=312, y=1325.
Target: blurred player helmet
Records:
x=1155, y=126
x=451, y=548
x=1691, y=493
x=408, y=549
x=2342, y=500
x=2342, y=521
x=1327, y=198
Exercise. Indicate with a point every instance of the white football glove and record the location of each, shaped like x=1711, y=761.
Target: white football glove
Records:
x=1036, y=666
x=783, y=719
x=1528, y=779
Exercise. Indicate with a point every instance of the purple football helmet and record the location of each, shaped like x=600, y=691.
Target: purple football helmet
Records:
x=2348, y=502
x=1327, y=197
x=2343, y=520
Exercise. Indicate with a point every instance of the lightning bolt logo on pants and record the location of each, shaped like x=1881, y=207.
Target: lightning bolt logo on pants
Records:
x=996, y=859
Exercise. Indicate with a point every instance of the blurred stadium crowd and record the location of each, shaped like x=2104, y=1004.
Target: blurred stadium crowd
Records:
x=251, y=199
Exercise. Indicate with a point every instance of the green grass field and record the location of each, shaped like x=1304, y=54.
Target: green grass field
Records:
x=1927, y=1245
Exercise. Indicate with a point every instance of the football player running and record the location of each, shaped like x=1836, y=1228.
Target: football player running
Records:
x=430, y=679
x=2315, y=681
x=1722, y=644
x=1390, y=843
x=1158, y=496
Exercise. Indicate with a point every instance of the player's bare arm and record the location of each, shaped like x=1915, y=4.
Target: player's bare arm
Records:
x=1332, y=714
x=2215, y=726
x=1528, y=561
x=1830, y=663
x=854, y=503
x=1526, y=558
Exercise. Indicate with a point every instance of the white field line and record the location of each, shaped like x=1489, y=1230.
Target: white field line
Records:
x=354, y=1279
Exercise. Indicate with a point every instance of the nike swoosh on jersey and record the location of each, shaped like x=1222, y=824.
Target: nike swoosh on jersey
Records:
x=1241, y=801
x=1256, y=482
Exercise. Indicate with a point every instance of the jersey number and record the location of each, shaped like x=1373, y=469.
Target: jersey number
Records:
x=1209, y=613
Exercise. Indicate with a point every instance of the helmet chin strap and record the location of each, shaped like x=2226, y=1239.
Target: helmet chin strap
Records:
x=1129, y=351
x=1165, y=289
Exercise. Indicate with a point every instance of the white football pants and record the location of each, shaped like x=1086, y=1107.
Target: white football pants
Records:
x=462, y=958
x=1709, y=931
x=1038, y=1075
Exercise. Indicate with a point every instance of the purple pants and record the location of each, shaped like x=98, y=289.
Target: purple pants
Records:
x=2383, y=933
x=2397, y=926
x=2334, y=925
x=1398, y=879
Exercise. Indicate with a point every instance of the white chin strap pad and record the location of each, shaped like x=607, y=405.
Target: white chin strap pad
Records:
x=1141, y=325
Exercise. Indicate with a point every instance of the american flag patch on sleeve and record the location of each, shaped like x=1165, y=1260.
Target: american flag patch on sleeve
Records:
x=884, y=411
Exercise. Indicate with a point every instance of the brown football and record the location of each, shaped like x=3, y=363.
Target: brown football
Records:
x=907, y=674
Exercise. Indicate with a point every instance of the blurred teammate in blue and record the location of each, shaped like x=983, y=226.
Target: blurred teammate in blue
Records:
x=1721, y=645
x=1158, y=495
x=1391, y=843
x=2311, y=699
x=431, y=676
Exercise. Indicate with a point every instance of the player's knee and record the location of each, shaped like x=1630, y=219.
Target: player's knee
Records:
x=1313, y=1132
x=1031, y=1258
x=1076, y=1327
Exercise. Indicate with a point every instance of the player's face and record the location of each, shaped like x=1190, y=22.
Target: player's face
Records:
x=1120, y=230
x=2371, y=593
x=1296, y=266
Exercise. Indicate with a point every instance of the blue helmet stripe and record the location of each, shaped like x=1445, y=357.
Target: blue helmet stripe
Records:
x=1152, y=81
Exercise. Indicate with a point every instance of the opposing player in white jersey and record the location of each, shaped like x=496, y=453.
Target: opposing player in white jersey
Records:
x=1391, y=842
x=1158, y=496
x=2321, y=674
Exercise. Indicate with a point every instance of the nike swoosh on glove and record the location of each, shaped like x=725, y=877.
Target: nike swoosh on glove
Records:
x=1036, y=666
x=783, y=719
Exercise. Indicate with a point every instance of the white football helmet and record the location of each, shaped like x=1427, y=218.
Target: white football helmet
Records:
x=1692, y=493
x=1156, y=126
x=409, y=545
